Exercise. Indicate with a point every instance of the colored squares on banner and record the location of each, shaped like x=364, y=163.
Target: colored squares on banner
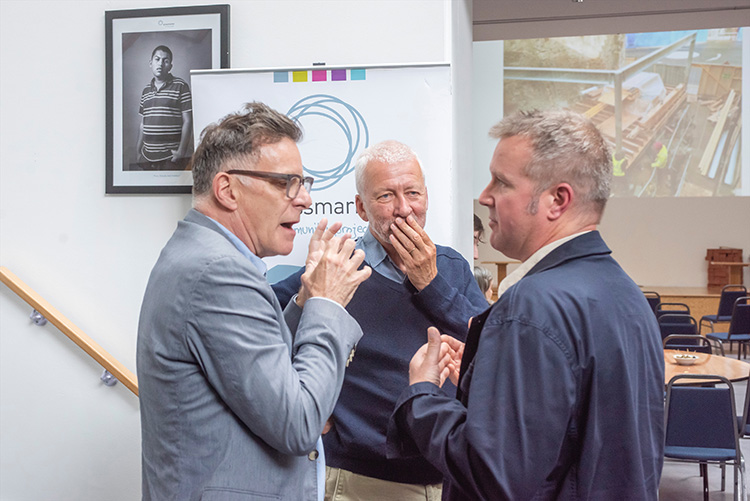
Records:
x=319, y=75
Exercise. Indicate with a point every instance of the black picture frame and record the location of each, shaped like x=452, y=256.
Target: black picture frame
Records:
x=198, y=38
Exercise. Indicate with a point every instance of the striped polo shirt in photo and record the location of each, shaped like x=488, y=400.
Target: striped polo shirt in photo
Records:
x=162, y=117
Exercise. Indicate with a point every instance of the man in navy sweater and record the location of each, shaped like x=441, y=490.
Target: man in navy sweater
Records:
x=415, y=284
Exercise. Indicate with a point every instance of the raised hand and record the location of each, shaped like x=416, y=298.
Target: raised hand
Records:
x=315, y=250
x=416, y=250
x=335, y=275
x=317, y=242
x=455, y=350
x=432, y=362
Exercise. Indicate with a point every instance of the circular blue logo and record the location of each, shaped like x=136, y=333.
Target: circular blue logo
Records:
x=351, y=123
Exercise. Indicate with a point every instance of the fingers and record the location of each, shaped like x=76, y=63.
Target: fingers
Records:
x=332, y=230
x=433, y=345
x=407, y=235
x=322, y=232
x=336, y=273
x=454, y=343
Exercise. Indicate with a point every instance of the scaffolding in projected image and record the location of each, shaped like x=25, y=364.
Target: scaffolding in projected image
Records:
x=668, y=119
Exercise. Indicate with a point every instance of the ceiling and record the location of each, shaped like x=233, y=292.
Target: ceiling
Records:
x=509, y=19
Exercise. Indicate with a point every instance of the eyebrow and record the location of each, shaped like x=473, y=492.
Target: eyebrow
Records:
x=501, y=177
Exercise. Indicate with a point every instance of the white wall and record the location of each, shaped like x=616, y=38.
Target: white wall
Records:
x=65, y=436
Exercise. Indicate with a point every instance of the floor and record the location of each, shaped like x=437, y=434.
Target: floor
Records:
x=682, y=482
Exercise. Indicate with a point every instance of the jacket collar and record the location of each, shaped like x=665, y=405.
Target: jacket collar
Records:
x=588, y=244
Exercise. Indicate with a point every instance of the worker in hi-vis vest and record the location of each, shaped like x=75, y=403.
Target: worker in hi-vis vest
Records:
x=661, y=156
x=660, y=164
x=619, y=183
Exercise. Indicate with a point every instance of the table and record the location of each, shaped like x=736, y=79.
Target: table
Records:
x=730, y=368
x=502, y=268
x=735, y=270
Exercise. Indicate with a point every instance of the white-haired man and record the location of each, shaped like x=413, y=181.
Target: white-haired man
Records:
x=415, y=284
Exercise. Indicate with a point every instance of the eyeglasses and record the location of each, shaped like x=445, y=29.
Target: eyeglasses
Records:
x=293, y=181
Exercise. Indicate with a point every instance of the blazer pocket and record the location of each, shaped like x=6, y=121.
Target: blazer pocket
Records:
x=228, y=494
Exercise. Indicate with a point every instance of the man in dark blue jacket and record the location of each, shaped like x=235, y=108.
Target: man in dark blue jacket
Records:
x=561, y=383
x=415, y=284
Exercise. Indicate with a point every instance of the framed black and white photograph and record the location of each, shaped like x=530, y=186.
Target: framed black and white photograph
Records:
x=150, y=53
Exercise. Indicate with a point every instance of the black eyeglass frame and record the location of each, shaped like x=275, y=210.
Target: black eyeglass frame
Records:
x=291, y=179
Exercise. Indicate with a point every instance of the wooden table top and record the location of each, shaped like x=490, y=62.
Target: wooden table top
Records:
x=730, y=368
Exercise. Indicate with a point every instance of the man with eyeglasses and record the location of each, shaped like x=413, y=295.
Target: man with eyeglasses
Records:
x=234, y=392
x=415, y=284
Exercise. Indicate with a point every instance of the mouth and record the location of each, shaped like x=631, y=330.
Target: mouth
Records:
x=289, y=225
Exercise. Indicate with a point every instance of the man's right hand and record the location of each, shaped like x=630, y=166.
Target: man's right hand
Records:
x=331, y=270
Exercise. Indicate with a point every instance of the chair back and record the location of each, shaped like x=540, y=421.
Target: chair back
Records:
x=688, y=342
x=653, y=299
x=669, y=308
x=676, y=323
x=730, y=294
x=745, y=420
x=700, y=418
x=740, y=323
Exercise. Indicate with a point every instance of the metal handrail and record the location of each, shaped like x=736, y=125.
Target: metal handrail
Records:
x=110, y=363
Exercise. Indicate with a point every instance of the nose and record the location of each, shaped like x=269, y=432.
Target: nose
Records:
x=303, y=198
x=484, y=197
x=402, y=208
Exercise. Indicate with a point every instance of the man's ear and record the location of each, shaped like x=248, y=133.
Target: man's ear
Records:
x=224, y=191
x=561, y=199
x=360, y=208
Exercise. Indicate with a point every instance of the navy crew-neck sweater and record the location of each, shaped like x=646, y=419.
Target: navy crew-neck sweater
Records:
x=394, y=318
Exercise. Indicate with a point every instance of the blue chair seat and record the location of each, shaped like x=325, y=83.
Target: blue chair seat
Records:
x=723, y=336
x=716, y=318
x=699, y=453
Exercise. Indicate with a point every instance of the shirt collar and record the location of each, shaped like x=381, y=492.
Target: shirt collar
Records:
x=377, y=258
x=244, y=250
x=167, y=80
x=532, y=261
x=373, y=250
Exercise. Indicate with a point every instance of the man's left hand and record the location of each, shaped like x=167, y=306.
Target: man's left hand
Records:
x=433, y=362
x=418, y=253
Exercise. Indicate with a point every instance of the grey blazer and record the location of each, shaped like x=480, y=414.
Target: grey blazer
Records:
x=233, y=392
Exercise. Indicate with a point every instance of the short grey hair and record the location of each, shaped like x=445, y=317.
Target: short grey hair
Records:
x=483, y=278
x=567, y=148
x=237, y=135
x=388, y=152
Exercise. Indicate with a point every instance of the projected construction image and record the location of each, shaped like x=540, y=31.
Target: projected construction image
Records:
x=669, y=103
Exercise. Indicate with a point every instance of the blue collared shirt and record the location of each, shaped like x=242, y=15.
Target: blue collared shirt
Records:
x=378, y=259
x=257, y=262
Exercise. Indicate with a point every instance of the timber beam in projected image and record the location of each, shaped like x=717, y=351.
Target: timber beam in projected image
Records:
x=697, y=127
